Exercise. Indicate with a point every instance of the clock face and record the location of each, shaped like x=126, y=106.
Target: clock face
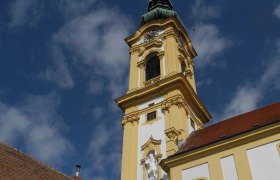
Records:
x=151, y=35
x=148, y=37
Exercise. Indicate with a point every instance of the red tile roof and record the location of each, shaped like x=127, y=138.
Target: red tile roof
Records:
x=232, y=127
x=15, y=165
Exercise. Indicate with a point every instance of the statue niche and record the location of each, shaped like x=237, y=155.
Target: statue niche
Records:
x=151, y=165
x=151, y=157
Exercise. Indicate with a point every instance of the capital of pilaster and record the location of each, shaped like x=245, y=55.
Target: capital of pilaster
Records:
x=161, y=54
x=169, y=33
x=190, y=61
x=177, y=100
x=141, y=64
x=189, y=73
x=134, y=49
x=131, y=118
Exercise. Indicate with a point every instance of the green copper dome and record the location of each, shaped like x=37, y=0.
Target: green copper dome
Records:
x=160, y=3
x=159, y=9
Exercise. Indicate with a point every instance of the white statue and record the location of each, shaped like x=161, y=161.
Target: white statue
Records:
x=151, y=166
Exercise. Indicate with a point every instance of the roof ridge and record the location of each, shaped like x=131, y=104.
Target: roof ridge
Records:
x=35, y=160
x=244, y=114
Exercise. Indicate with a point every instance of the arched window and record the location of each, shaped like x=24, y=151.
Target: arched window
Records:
x=152, y=68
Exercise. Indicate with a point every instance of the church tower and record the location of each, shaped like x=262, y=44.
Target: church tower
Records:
x=161, y=107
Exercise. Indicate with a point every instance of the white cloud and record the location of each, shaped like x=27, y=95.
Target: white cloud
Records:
x=95, y=39
x=249, y=95
x=35, y=123
x=25, y=12
x=209, y=44
x=272, y=73
x=12, y=123
x=59, y=72
x=47, y=143
x=75, y=8
x=207, y=38
x=92, y=39
x=244, y=100
x=276, y=11
x=105, y=148
x=201, y=11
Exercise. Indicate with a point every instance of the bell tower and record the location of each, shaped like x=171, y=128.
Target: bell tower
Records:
x=161, y=107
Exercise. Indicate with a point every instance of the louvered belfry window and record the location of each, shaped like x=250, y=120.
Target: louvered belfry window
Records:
x=152, y=68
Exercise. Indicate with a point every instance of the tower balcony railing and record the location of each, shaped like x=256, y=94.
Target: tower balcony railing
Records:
x=152, y=81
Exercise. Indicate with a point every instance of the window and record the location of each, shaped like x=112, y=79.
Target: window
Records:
x=183, y=67
x=151, y=116
x=193, y=124
x=152, y=68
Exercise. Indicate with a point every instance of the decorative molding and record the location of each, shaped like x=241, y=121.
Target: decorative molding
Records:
x=189, y=73
x=161, y=54
x=141, y=50
x=169, y=33
x=190, y=61
x=156, y=51
x=172, y=134
x=150, y=145
x=177, y=80
x=177, y=100
x=134, y=49
x=141, y=63
x=157, y=42
x=130, y=118
x=152, y=81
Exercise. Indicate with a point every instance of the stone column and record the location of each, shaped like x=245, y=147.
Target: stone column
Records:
x=133, y=80
x=162, y=64
x=142, y=66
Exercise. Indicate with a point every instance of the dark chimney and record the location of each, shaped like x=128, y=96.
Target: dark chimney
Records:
x=78, y=173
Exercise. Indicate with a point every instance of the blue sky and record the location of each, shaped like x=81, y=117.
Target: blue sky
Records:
x=62, y=62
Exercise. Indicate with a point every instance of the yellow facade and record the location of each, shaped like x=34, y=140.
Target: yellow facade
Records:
x=175, y=85
x=212, y=154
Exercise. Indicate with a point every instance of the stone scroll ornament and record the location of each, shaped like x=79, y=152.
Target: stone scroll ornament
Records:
x=151, y=166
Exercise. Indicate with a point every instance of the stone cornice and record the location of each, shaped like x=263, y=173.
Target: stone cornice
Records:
x=176, y=81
